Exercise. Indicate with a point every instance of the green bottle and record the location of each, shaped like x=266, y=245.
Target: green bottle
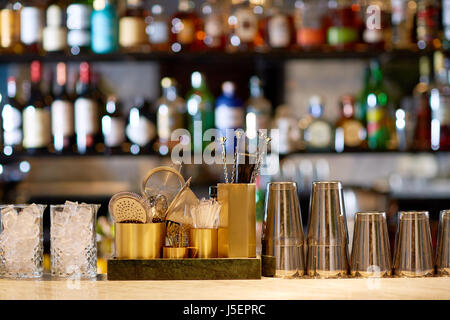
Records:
x=200, y=107
x=361, y=108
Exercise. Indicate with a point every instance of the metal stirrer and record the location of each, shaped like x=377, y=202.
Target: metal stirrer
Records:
x=260, y=155
x=239, y=135
x=225, y=171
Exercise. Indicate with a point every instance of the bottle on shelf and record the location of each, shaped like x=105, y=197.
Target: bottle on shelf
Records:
x=421, y=94
x=31, y=26
x=343, y=31
x=280, y=29
x=350, y=132
x=288, y=131
x=311, y=23
x=200, y=107
x=86, y=110
x=158, y=28
x=440, y=104
x=79, y=26
x=55, y=32
x=361, y=104
x=258, y=110
x=171, y=112
x=402, y=19
x=11, y=119
x=104, y=32
x=132, y=36
x=377, y=31
x=186, y=28
x=10, y=28
x=113, y=126
x=36, y=115
x=229, y=111
x=62, y=113
x=446, y=24
x=215, y=27
x=141, y=127
x=319, y=134
x=427, y=24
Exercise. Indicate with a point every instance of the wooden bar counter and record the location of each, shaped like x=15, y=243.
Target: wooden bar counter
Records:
x=267, y=288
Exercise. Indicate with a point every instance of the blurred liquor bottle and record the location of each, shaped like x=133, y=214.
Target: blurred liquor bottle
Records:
x=440, y=104
x=113, y=126
x=104, y=21
x=62, y=113
x=55, y=32
x=79, y=26
x=215, y=24
x=259, y=109
x=186, y=28
x=311, y=23
x=280, y=28
x=361, y=105
x=288, y=131
x=10, y=28
x=200, y=107
x=36, y=115
x=343, y=31
x=141, y=127
x=402, y=18
x=421, y=94
x=377, y=30
x=132, y=36
x=446, y=24
x=158, y=28
x=350, y=132
x=171, y=113
x=319, y=134
x=427, y=23
x=31, y=26
x=11, y=116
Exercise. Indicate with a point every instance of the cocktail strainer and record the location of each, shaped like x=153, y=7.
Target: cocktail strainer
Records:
x=128, y=207
x=163, y=180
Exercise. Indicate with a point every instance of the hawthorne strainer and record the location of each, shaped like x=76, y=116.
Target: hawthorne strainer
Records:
x=128, y=207
x=163, y=180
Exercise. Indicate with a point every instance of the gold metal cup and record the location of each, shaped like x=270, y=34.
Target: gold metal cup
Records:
x=371, y=254
x=139, y=240
x=237, y=227
x=443, y=245
x=175, y=253
x=413, y=248
x=203, y=243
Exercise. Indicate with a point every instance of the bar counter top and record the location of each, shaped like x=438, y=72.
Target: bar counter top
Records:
x=265, y=289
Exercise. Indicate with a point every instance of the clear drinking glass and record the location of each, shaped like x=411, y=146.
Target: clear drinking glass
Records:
x=443, y=245
x=21, y=241
x=72, y=240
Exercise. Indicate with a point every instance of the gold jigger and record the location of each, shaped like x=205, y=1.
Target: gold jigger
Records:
x=203, y=243
x=237, y=227
x=371, y=254
x=327, y=238
x=283, y=230
x=175, y=253
x=413, y=249
x=139, y=240
x=443, y=245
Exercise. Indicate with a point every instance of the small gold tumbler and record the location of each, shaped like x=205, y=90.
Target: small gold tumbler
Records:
x=413, y=248
x=443, y=246
x=139, y=240
x=175, y=253
x=237, y=226
x=327, y=237
x=203, y=243
x=371, y=254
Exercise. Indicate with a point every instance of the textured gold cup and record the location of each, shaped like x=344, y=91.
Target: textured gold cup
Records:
x=371, y=254
x=139, y=240
x=443, y=245
x=203, y=243
x=327, y=239
x=175, y=253
x=237, y=227
x=413, y=248
x=283, y=229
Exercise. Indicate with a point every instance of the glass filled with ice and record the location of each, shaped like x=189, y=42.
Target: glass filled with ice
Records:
x=73, y=243
x=21, y=241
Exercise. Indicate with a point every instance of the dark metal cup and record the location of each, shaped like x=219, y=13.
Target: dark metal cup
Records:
x=443, y=245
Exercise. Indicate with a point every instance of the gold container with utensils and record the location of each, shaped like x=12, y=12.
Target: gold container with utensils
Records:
x=139, y=240
x=237, y=226
x=413, y=248
x=327, y=238
x=443, y=245
x=371, y=253
x=203, y=243
x=175, y=253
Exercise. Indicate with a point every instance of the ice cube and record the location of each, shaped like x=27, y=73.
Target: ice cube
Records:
x=9, y=217
x=84, y=215
x=29, y=215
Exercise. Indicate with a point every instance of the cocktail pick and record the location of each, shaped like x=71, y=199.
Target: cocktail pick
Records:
x=225, y=172
x=260, y=155
x=239, y=135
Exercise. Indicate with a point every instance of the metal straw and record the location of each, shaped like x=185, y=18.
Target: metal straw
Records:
x=225, y=172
